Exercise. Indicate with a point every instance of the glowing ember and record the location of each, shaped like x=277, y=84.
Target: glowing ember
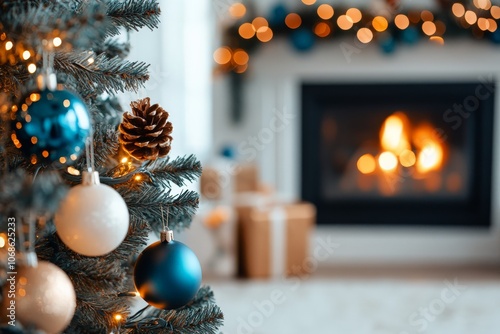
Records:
x=388, y=161
x=430, y=157
x=394, y=137
x=366, y=164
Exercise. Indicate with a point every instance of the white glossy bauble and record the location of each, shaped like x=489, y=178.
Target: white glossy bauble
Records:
x=44, y=298
x=92, y=220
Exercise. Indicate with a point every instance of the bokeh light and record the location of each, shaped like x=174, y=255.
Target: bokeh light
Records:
x=387, y=161
x=426, y=15
x=407, y=158
x=246, y=30
x=440, y=28
x=240, y=57
x=458, y=9
x=366, y=164
x=483, y=23
x=364, y=35
x=429, y=28
x=293, y=21
x=222, y=55
x=380, y=23
x=264, y=34
x=32, y=68
x=437, y=39
x=322, y=29
x=482, y=4
x=493, y=26
x=57, y=42
x=325, y=11
x=495, y=12
x=355, y=14
x=259, y=22
x=402, y=21
x=470, y=17
x=237, y=10
x=344, y=22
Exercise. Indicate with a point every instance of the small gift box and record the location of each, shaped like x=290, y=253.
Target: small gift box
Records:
x=221, y=182
x=273, y=240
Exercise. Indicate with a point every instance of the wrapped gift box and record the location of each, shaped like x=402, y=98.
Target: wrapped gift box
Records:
x=273, y=240
x=246, y=178
x=221, y=182
x=210, y=184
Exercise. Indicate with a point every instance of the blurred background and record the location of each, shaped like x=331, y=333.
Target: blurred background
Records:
x=350, y=159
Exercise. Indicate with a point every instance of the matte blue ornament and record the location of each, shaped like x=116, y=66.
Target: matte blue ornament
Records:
x=388, y=44
x=167, y=275
x=410, y=35
x=495, y=36
x=227, y=151
x=303, y=39
x=278, y=15
x=50, y=125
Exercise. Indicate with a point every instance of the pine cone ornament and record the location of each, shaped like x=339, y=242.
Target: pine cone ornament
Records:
x=145, y=133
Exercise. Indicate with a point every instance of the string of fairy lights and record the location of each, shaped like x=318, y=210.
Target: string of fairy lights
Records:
x=315, y=21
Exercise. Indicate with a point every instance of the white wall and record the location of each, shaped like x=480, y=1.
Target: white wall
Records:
x=180, y=54
x=273, y=83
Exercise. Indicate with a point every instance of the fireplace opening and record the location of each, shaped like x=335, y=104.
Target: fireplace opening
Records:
x=398, y=154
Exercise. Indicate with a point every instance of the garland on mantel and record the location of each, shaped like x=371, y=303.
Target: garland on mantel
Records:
x=387, y=26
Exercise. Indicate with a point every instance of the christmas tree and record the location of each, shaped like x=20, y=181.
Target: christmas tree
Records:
x=57, y=58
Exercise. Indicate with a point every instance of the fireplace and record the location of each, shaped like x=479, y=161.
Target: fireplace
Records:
x=398, y=154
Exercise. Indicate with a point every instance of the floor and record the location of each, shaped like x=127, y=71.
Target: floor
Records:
x=459, y=300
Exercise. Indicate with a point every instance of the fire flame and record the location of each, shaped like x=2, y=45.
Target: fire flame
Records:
x=426, y=155
x=394, y=134
x=430, y=157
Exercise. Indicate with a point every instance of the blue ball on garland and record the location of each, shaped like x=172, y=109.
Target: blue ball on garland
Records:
x=388, y=44
x=167, y=275
x=410, y=35
x=495, y=36
x=278, y=15
x=303, y=39
x=50, y=125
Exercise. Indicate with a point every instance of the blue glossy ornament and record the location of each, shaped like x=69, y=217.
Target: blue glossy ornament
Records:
x=227, y=151
x=388, y=44
x=50, y=125
x=302, y=39
x=278, y=15
x=167, y=275
x=410, y=35
x=495, y=36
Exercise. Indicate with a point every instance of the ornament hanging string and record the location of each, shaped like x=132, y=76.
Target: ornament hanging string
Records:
x=163, y=220
x=47, y=78
x=89, y=148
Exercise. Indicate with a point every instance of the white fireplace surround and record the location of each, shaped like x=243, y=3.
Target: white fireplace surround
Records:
x=272, y=87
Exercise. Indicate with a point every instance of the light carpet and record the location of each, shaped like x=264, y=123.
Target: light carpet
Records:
x=382, y=306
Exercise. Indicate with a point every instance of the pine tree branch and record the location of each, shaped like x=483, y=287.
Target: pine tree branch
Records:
x=201, y=315
x=113, y=47
x=151, y=202
x=179, y=171
x=100, y=74
x=83, y=23
x=105, y=146
x=20, y=193
x=133, y=15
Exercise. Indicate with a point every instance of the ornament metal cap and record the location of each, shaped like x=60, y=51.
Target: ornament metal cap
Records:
x=167, y=236
x=90, y=178
x=30, y=259
x=47, y=81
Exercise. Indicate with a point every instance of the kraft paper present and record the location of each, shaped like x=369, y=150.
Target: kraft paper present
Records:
x=210, y=184
x=273, y=241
